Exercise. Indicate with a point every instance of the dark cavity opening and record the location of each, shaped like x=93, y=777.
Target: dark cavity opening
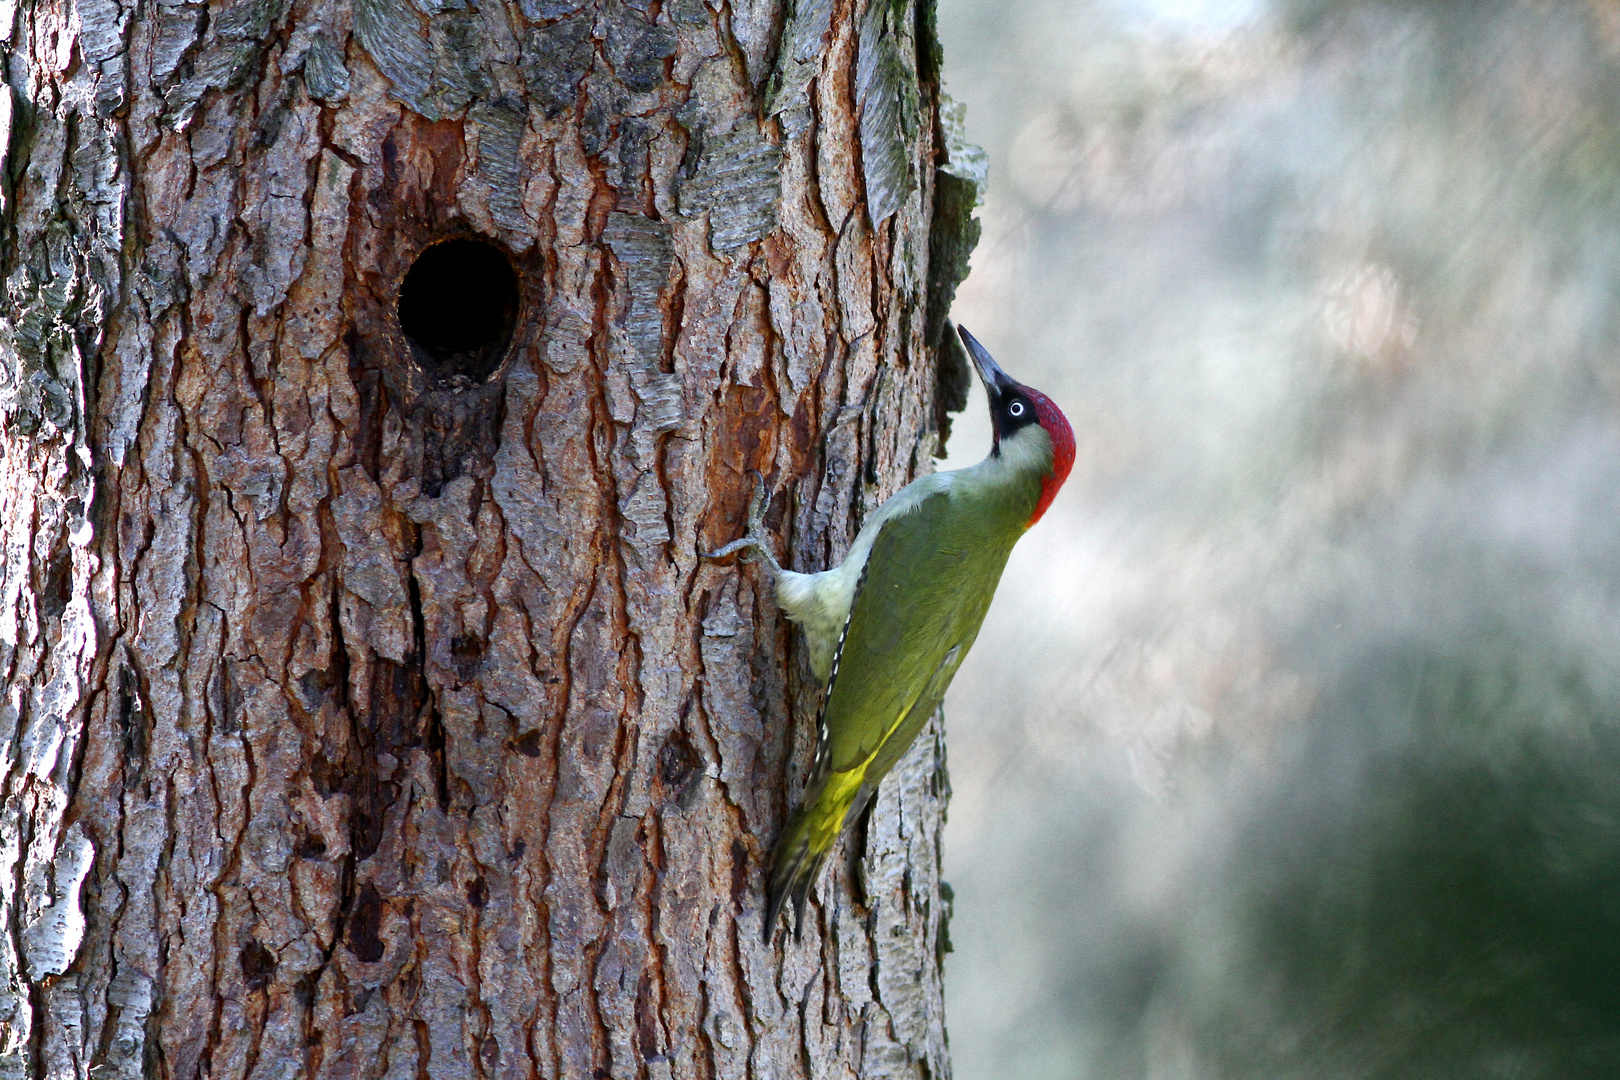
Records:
x=458, y=306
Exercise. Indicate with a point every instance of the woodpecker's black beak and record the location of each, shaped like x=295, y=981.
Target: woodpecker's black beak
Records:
x=1007, y=412
x=996, y=381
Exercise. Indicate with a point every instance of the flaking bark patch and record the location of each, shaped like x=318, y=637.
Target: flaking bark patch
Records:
x=959, y=184
x=434, y=63
x=799, y=61
x=556, y=57
x=886, y=96
x=499, y=126
x=737, y=181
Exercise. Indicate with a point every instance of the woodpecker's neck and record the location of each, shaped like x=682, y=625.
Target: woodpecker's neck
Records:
x=1027, y=452
x=1010, y=480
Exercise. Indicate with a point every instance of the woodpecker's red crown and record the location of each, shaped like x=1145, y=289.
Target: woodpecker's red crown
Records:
x=1057, y=428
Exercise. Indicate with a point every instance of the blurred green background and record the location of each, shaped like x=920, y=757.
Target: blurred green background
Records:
x=1291, y=747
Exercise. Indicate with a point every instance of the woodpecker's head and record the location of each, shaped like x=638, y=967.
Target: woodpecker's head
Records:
x=1027, y=423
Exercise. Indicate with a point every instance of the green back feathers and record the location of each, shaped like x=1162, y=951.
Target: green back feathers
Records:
x=924, y=591
x=928, y=583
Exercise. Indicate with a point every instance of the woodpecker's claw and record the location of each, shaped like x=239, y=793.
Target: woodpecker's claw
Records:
x=755, y=540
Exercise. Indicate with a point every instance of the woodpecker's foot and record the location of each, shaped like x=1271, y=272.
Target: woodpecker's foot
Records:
x=755, y=541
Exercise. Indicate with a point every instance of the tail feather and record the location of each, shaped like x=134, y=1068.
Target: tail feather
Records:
x=796, y=863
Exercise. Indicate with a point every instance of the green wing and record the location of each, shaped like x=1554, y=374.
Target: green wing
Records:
x=927, y=583
x=929, y=579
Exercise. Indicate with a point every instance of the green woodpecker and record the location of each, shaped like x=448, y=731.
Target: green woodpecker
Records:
x=889, y=626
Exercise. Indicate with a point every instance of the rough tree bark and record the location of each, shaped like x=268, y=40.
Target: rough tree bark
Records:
x=368, y=711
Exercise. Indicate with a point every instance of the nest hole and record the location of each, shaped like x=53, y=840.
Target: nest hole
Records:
x=458, y=308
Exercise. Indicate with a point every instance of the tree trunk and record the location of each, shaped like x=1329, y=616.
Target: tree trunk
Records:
x=369, y=711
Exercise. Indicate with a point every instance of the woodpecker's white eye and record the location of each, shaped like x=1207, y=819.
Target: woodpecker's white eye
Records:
x=1016, y=409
